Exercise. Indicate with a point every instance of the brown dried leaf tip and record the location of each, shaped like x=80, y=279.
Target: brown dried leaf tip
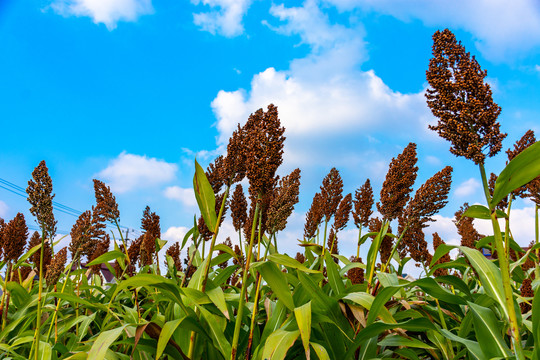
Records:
x=40, y=196
x=106, y=208
x=398, y=183
x=14, y=238
x=282, y=201
x=363, y=204
x=461, y=100
x=55, y=269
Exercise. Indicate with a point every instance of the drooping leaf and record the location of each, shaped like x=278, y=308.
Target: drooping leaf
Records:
x=303, y=319
x=278, y=343
x=108, y=256
x=488, y=332
x=103, y=342
x=277, y=282
x=520, y=171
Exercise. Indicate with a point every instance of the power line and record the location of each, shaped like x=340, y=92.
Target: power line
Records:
x=18, y=190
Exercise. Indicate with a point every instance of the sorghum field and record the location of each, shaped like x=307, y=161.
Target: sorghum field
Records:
x=249, y=301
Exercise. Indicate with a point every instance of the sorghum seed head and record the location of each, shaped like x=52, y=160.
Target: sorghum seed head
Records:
x=282, y=201
x=363, y=204
x=465, y=228
x=54, y=270
x=238, y=208
x=331, y=193
x=174, y=252
x=15, y=235
x=35, y=240
x=398, y=183
x=313, y=217
x=342, y=214
x=106, y=207
x=40, y=196
x=462, y=101
x=437, y=241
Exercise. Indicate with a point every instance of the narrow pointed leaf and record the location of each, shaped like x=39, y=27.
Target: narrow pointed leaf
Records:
x=278, y=343
x=303, y=319
x=277, y=282
x=103, y=342
x=488, y=332
x=205, y=197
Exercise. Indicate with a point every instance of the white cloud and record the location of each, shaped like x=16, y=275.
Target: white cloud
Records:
x=433, y=160
x=108, y=12
x=128, y=172
x=3, y=209
x=467, y=188
x=537, y=68
x=502, y=29
x=185, y=196
x=175, y=234
x=323, y=99
x=521, y=225
x=226, y=20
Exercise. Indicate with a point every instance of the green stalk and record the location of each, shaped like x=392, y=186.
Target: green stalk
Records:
x=256, y=301
x=37, y=334
x=193, y=337
x=358, y=246
x=321, y=267
x=6, y=305
x=503, y=264
x=240, y=242
x=507, y=227
x=443, y=323
x=238, y=323
x=385, y=266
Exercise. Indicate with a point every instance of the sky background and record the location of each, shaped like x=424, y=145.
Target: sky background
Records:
x=131, y=91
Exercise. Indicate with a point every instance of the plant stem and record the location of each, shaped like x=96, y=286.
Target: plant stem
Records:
x=240, y=312
x=37, y=334
x=358, y=246
x=505, y=273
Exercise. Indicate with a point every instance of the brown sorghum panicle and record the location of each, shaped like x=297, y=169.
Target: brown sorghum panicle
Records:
x=148, y=248
x=206, y=234
x=2, y=226
x=465, y=228
x=174, y=252
x=54, y=270
x=15, y=235
x=398, y=183
x=503, y=204
x=526, y=140
x=332, y=242
x=430, y=197
x=106, y=208
x=533, y=191
x=219, y=200
x=234, y=164
x=313, y=217
x=342, y=214
x=239, y=256
x=461, y=100
x=150, y=223
x=238, y=208
x=282, y=201
x=81, y=235
x=415, y=244
x=263, y=147
x=300, y=258
x=215, y=173
x=529, y=263
x=40, y=197
x=526, y=291
x=363, y=204
x=331, y=193
x=437, y=241
x=101, y=248
x=356, y=275
x=134, y=252
x=35, y=240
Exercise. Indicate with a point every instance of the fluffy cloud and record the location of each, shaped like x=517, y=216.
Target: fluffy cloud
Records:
x=467, y=188
x=175, y=233
x=501, y=28
x=323, y=99
x=128, y=172
x=108, y=12
x=3, y=209
x=226, y=20
x=521, y=225
x=185, y=196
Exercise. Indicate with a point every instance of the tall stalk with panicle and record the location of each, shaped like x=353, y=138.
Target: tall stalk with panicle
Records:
x=262, y=149
x=40, y=196
x=467, y=115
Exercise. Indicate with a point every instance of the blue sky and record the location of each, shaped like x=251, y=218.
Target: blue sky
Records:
x=130, y=91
